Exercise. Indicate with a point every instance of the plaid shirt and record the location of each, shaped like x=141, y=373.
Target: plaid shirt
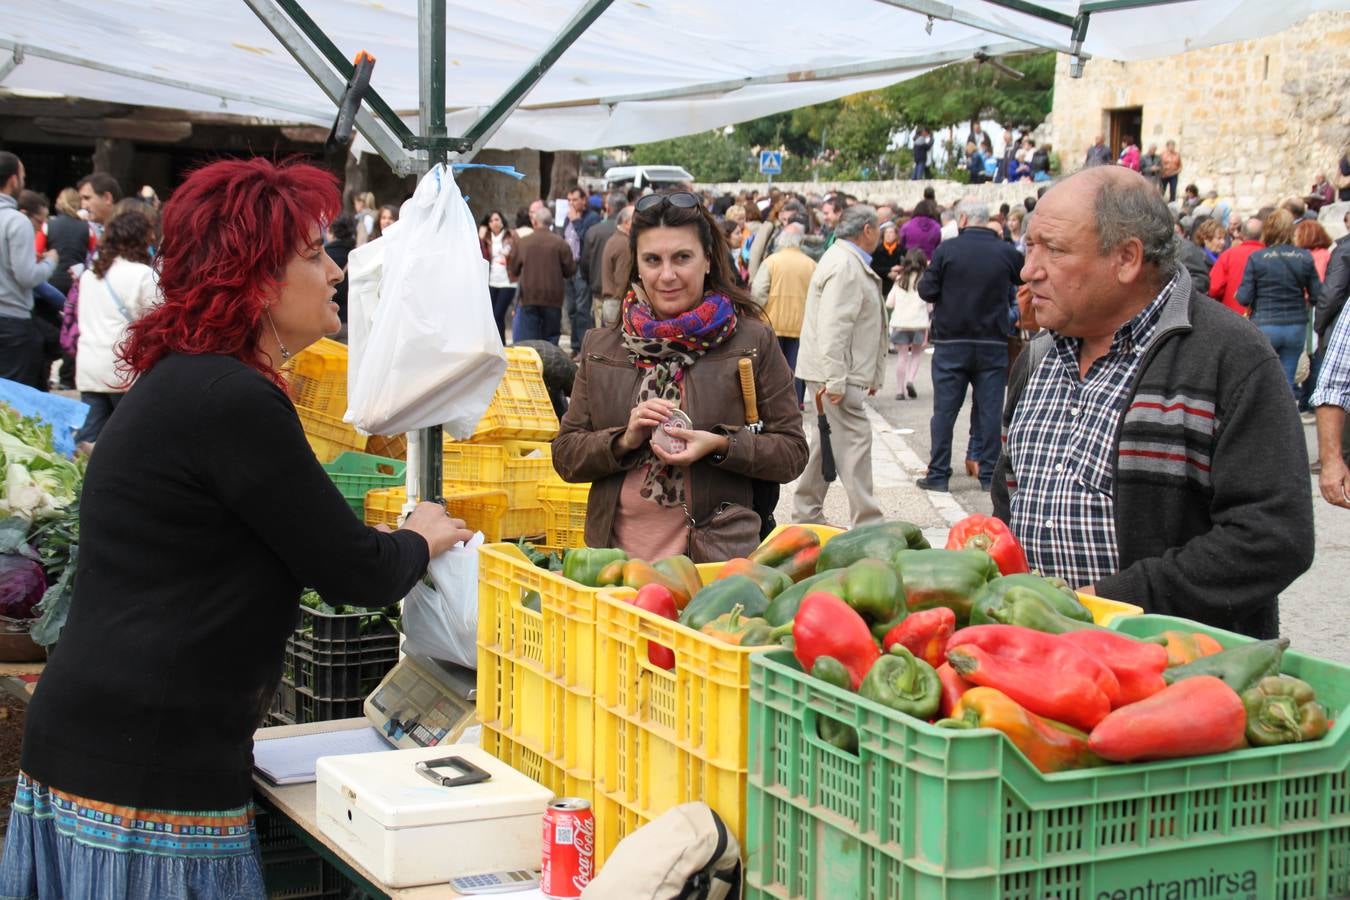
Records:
x=1333, y=380
x=1061, y=448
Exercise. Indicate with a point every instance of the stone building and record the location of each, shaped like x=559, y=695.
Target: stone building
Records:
x=1254, y=120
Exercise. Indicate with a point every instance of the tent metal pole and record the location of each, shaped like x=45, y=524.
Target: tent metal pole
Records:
x=301, y=42
x=1035, y=10
x=949, y=13
x=306, y=113
x=9, y=65
x=431, y=122
x=852, y=70
x=481, y=131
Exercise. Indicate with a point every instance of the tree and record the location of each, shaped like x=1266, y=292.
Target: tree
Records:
x=709, y=156
x=849, y=139
x=973, y=91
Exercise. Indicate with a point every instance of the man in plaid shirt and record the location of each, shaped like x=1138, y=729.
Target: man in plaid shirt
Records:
x=1332, y=400
x=1151, y=452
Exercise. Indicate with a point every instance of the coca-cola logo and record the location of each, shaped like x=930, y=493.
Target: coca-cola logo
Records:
x=585, y=852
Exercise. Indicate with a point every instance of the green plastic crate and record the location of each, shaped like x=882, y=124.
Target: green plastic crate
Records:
x=355, y=473
x=924, y=812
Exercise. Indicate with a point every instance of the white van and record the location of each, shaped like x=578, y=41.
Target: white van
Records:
x=654, y=177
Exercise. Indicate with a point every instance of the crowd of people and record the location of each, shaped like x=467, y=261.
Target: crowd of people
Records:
x=1135, y=365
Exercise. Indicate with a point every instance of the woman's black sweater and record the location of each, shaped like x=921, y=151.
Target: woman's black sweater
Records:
x=203, y=515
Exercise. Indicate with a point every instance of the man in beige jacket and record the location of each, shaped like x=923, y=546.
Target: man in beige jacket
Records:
x=843, y=353
x=780, y=287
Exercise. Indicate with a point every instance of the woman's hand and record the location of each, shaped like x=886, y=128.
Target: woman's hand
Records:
x=645, y=417
x=437, y=528
x=698, y=445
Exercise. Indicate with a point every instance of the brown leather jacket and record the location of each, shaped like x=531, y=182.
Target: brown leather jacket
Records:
x=605, y=392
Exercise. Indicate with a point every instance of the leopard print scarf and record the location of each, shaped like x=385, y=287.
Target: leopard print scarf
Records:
x=663, y=349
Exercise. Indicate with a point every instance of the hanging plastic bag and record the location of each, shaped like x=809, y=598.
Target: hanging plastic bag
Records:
x=440, y=621
x=432, y=355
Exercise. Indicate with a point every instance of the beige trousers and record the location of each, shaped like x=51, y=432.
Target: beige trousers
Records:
x=851, y=439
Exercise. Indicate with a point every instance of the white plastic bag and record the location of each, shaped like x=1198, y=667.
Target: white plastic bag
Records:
x=441, y=622
x=432, y=355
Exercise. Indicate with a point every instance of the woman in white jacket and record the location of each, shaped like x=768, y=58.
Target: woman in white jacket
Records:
x=909, y=321
x=118, y=289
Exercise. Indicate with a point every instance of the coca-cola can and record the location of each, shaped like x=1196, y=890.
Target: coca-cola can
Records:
x=569, y=848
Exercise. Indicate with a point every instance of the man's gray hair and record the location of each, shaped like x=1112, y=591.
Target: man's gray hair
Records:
x=975, y=211
x=543, y=218
x=790, y=236
x=1135, y=209
x=625, y=214
x=617, y=201
x=854, y=219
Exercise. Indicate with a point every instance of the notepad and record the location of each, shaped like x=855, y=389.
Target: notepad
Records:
x=291, y=760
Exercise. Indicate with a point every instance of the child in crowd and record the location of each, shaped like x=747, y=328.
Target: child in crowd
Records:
x=909, y=321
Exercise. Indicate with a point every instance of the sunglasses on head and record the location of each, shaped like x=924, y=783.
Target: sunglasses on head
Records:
x=678, y=199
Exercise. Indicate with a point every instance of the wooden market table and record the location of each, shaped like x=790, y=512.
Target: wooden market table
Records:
x=297, y=802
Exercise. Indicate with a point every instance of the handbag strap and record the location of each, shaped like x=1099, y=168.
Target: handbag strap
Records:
x=121, y=307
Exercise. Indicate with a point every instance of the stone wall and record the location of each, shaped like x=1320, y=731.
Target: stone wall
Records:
x=1254, y=120
x=904, y=193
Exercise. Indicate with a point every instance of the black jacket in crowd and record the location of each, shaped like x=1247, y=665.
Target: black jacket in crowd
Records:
x=970, y=282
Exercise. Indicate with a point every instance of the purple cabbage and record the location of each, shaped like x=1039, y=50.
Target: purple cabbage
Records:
x=22, y=584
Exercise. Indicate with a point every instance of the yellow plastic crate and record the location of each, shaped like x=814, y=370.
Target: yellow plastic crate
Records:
x=521, y=408
x=480, y=510
x=1104, y=611
x=523, y=523
x=564, y=514
x=558, y=642
x=536, y=670
x=516, y=467
x=318, y=377
x=328, y=435
x=394, y=446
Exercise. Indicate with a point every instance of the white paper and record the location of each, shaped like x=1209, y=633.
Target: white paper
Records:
x=291, y=760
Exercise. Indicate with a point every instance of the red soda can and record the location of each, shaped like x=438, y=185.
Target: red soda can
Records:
x=569, y=848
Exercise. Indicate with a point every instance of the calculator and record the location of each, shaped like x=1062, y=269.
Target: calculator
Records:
x=496, y=882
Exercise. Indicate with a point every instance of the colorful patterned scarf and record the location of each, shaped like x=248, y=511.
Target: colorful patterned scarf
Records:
x=663, y=349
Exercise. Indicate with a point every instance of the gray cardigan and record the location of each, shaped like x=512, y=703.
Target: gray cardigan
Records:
x=1214, y=529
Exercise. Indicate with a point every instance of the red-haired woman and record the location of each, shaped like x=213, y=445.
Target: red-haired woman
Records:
x=203, y=515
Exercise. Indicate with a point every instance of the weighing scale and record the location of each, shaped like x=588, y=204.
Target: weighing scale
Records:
x=423, y=702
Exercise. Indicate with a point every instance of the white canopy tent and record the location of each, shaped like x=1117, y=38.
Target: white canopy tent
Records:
x=642, y=71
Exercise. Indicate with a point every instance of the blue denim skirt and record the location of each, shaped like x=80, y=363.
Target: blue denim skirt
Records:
x=60, y=847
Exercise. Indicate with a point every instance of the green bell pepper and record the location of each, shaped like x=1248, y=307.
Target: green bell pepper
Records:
x=879, y=541
x=783, y=607
x=1239, y=668
x=903, y=683
x=720, y=597
x=1282, y=709
x=949, y=578
x=1024, y=606
x=874, y=590
x=1055, y=591
x=835, y=733
x=583, y=565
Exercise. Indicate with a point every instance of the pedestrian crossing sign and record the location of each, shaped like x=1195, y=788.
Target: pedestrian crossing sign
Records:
x=771, y=162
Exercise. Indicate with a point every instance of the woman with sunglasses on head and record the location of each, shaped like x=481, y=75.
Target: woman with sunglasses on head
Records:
x=656, y=421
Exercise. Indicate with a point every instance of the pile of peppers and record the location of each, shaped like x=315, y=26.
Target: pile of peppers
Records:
x=966, y=637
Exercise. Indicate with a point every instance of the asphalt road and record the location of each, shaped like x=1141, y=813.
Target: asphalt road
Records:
x=1314, y=611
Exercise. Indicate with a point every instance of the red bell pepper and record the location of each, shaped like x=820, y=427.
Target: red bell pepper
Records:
x=1051, y=678
x=980, y=532
x=954, y=688
x=1191, y=717
x=925, y=634
x=659, y=599
x=1137, y=666
x=827, y=626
